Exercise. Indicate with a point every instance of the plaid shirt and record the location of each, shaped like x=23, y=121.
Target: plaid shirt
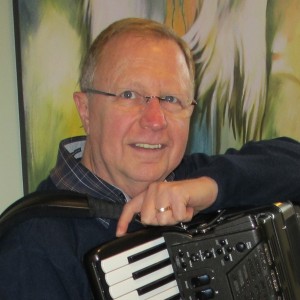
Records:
x=70, y=174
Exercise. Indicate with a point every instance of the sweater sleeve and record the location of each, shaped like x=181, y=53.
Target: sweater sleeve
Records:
x=259, y=173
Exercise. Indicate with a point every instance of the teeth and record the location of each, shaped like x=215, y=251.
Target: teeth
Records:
x=149, y=146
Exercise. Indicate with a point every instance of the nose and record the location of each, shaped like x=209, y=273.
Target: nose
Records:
x=152, y=116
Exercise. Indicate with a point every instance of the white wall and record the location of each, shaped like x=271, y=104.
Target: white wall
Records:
x=11, y=187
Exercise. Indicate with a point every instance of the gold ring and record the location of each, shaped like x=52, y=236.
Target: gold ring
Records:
x=163, y=209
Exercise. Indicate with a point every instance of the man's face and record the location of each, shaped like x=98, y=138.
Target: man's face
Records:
x=131, y=148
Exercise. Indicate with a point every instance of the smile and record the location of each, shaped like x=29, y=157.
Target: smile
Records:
x=149, y=146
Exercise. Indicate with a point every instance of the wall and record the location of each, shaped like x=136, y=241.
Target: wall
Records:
x=10, y=154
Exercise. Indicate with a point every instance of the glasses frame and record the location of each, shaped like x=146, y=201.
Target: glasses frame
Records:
x=148, y=98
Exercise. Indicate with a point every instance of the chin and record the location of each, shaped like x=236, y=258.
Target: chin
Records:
x=148, y=176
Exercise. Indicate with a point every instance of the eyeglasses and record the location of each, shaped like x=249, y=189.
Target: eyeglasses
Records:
x=131, y=99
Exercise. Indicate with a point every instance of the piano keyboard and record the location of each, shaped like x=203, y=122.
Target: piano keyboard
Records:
x=142, y=272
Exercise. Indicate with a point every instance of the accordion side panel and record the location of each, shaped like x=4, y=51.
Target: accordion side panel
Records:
x=217, y=265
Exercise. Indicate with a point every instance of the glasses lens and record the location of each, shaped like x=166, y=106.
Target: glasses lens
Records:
x=170, y=103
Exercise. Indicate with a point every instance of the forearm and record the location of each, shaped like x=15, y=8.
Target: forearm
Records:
x=258, y=174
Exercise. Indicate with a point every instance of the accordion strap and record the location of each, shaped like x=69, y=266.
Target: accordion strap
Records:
x=104, y=209
x=63, y=204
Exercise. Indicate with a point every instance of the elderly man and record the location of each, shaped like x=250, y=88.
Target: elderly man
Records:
x=135, y=104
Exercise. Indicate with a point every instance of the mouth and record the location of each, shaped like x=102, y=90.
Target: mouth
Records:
x=149, y=146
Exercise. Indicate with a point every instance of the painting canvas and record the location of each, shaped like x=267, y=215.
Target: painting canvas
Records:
x=246, y=57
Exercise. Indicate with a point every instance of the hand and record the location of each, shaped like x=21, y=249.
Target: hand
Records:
x=179, y=200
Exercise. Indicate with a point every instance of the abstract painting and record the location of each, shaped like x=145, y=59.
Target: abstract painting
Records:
x=246, y=57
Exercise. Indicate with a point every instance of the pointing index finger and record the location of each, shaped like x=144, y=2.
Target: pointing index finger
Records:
x=130, y=209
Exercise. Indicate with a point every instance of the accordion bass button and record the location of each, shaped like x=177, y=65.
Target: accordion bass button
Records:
x=183, y=265
x=222, y=242
x=219, y=251
x=208, y=254
x=226, y=258
x=200, y=280
x=180, y=253
x=205, y=294
x=229, y=249
x=241, y=247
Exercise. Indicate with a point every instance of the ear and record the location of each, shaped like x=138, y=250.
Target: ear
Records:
x=82, y=104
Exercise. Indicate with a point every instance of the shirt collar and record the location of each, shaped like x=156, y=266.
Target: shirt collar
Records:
x=70, y=174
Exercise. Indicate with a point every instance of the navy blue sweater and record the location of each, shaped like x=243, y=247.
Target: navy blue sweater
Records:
x=42, y=258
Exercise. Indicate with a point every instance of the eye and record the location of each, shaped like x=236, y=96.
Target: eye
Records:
x=128, y=95
x=171, y=99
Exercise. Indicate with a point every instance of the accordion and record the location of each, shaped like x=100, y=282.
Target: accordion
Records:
x=250, y=254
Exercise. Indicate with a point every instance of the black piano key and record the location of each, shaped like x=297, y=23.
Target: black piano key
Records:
x=150, y=269
x=175, y=297
x=145, y=253
x=155, y=284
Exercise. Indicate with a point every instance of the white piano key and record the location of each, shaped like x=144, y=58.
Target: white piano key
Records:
x=119, y=260
x=130, y=284
x=126, y=271
x=130, y=296
x=161, y=293
x=164, y=294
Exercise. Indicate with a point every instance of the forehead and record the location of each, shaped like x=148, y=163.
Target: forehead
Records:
x=133, y=41
x=132, y=56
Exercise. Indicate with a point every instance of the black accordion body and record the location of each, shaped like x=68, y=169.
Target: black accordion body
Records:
x=251, y=254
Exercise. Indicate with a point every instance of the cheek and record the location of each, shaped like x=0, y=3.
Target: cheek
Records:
x=180, y=133
x=108, y=126
x=180, y=130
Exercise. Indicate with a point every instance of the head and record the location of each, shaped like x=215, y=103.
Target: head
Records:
x=129, y=145
x=143, y=28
